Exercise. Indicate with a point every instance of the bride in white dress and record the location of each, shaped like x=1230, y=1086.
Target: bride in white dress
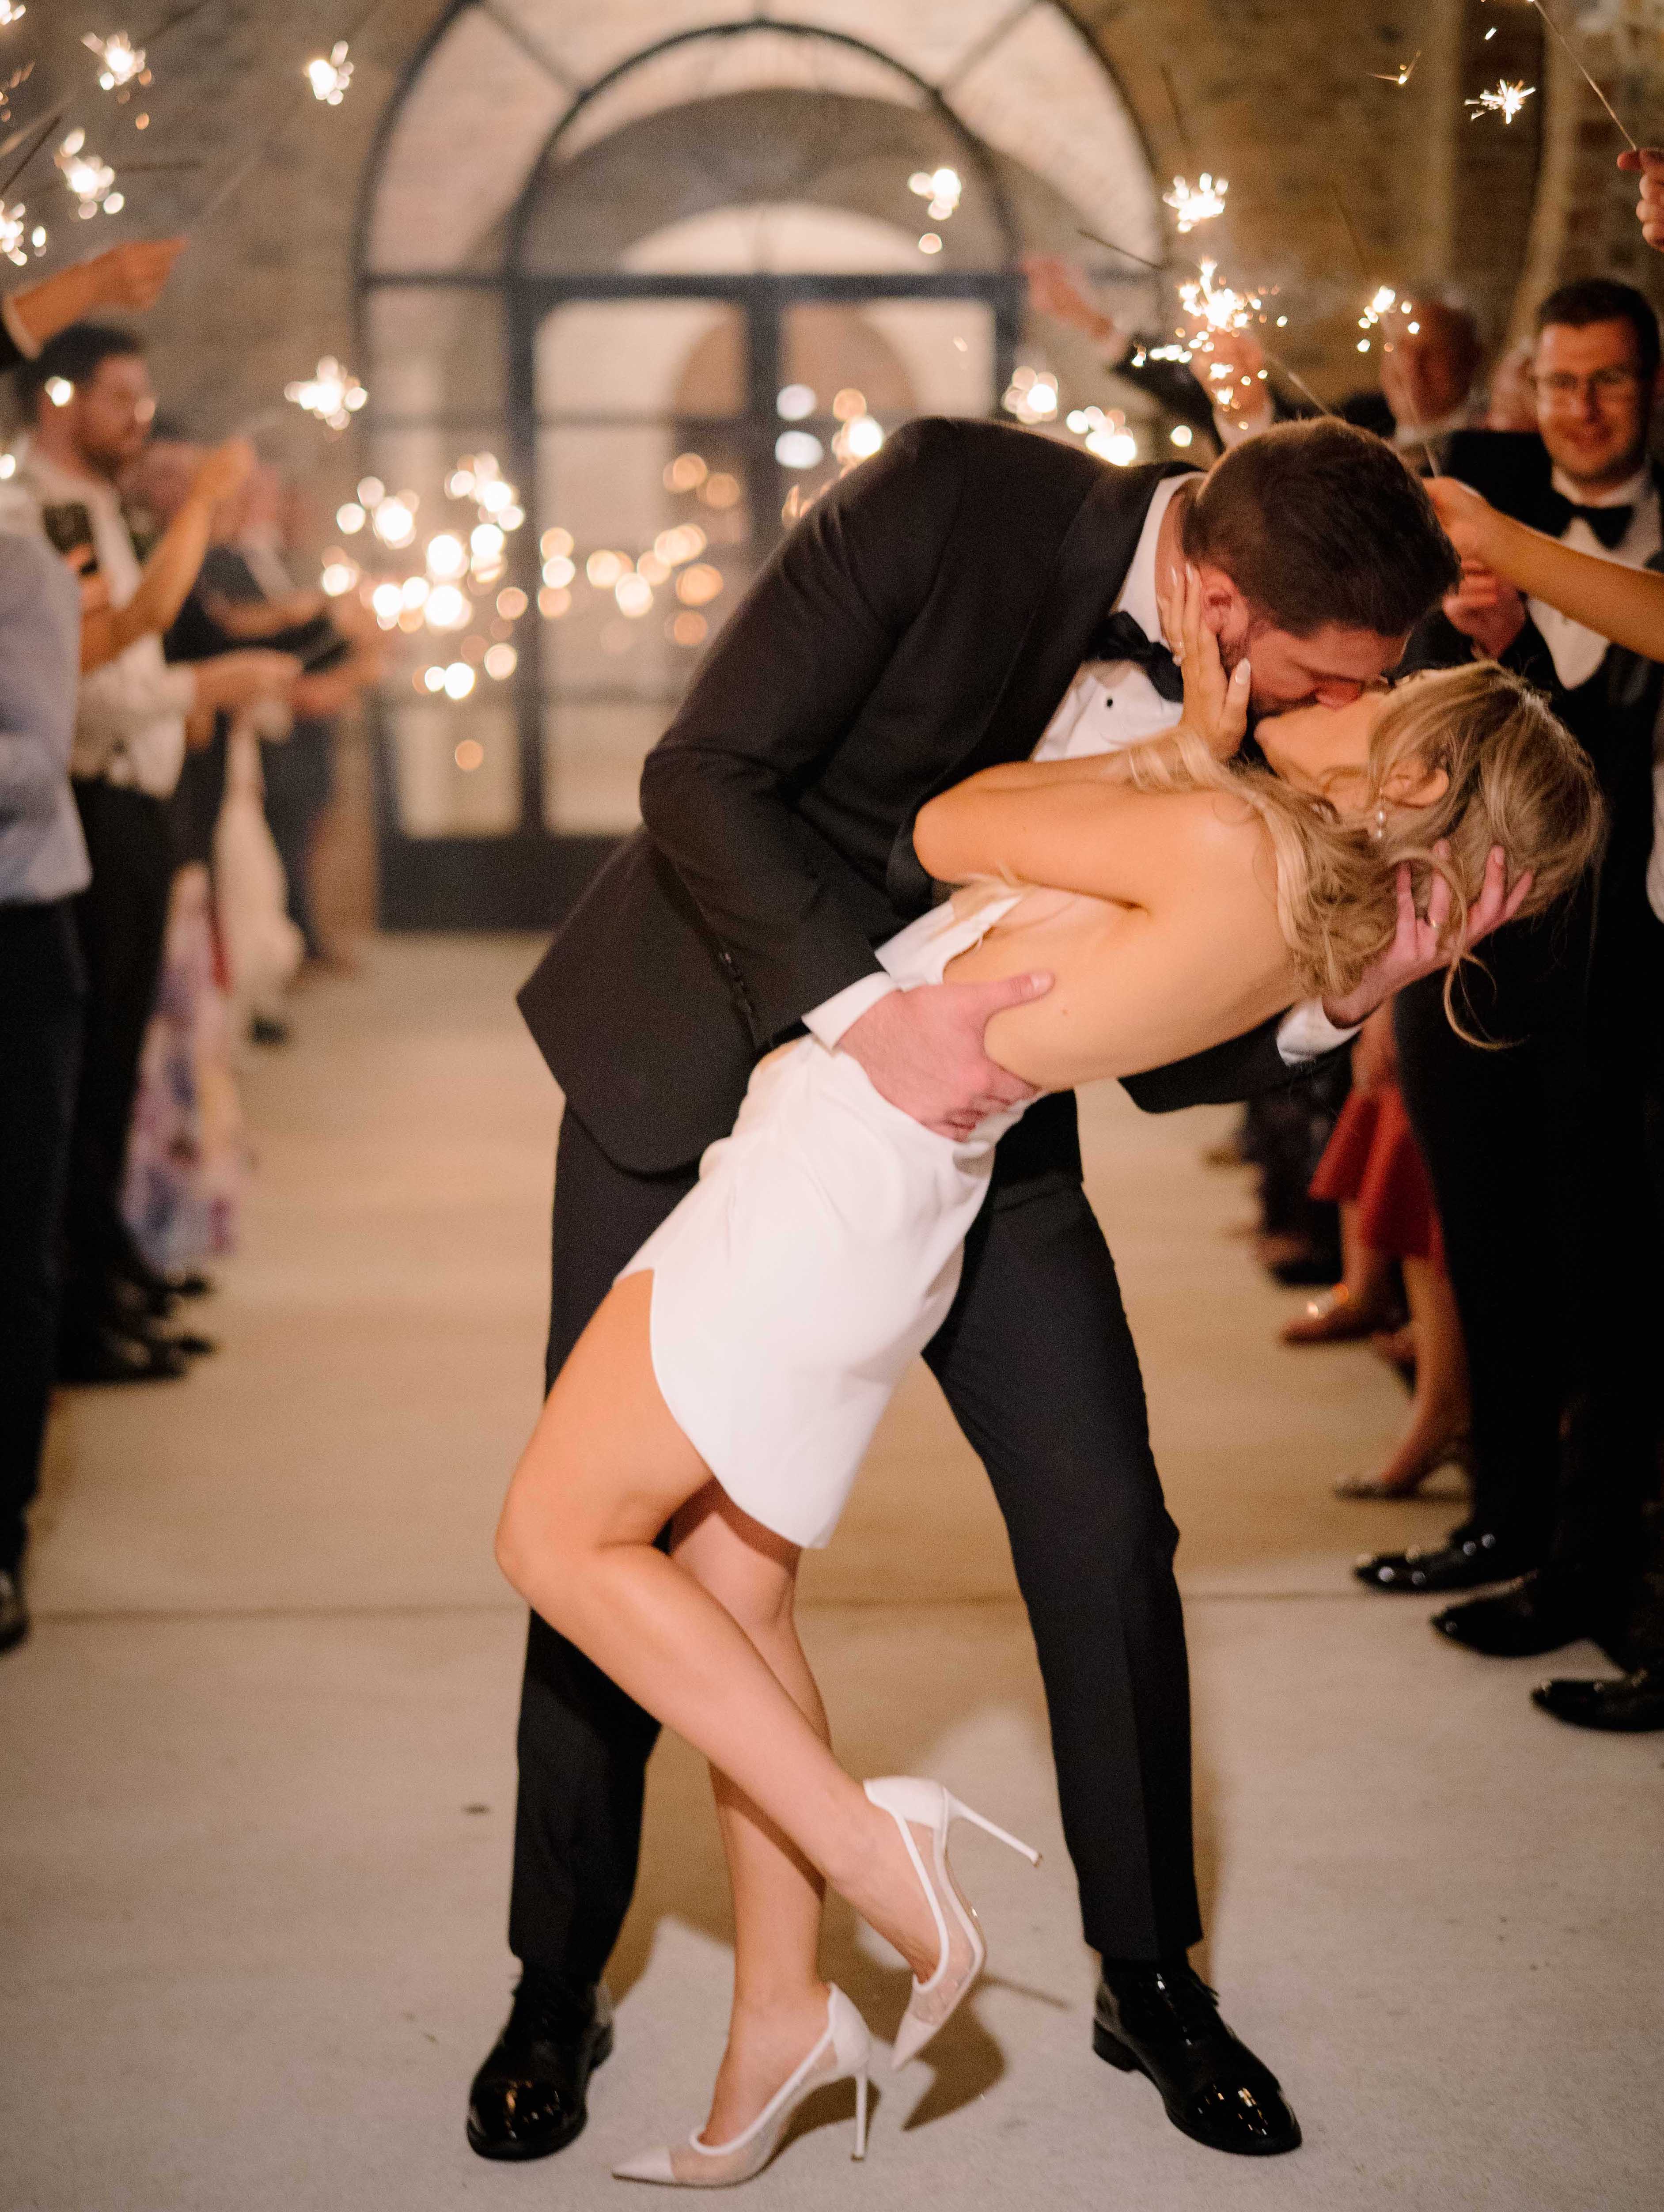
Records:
x=728, y=1386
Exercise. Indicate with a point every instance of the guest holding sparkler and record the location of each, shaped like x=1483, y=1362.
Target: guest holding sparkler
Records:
x=1564, y=1421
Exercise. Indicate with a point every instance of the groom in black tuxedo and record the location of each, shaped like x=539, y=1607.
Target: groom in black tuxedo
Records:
x=971, y=595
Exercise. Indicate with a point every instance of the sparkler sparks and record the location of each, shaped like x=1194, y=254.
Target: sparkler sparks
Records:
x=332, y=393
x=122, y=62
x=1404, y=72
x=14, y=230
x=330, y=75
x=1218, y=305
x=9, y=14
x=88, y=178
x=1506, y=100
x=1200, y=203
x=1383, y=302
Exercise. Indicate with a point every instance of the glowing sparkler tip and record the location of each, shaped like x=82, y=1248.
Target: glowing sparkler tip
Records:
x=9, y=13
x=1506, y=100
x=1400, y=76
x=328, y=74
x=333, y=394
x=123, y=61
x=89, y=178
x=1198, y=204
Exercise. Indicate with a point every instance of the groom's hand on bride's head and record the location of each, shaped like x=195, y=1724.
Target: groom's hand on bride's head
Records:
x=1422, y=944
x=923, y=1050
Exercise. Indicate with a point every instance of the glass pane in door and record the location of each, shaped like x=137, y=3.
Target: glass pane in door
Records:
x=852, y=371
x=644, y=510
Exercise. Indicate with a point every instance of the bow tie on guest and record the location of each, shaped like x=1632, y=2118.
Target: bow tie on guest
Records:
x=1610, y=524
x=1121, y=637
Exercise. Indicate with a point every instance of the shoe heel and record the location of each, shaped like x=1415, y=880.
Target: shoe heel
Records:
x=958, y=1812
x=1112, y=2049
x=861, y=2086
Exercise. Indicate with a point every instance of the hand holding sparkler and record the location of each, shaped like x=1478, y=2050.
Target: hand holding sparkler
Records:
x=223, y=475
x=1648, y=160
x=1055, y=289
x=130, y=276
x=1484, y=606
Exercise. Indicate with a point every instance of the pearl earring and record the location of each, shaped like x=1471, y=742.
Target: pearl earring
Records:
x=1379, y=832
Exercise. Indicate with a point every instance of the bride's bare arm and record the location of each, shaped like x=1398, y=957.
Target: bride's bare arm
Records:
x=1624, y=605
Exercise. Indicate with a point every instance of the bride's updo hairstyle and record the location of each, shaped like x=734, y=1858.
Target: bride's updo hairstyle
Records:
x=1515, y=777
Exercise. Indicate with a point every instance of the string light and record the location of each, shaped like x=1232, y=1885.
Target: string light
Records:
x=1196, y=204
x=1506, y=100
x=328, y=74
x=331, y=393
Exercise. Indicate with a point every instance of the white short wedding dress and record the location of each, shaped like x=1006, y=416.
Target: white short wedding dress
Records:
x=818, y=1252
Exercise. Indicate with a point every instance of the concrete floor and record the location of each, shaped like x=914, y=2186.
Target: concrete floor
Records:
x=255, y=1820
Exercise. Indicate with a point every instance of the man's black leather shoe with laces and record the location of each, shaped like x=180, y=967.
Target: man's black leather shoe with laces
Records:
x=1163, y=2021
x=528, y=2099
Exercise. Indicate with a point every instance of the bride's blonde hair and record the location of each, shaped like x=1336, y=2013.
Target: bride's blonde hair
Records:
x=1515, y=777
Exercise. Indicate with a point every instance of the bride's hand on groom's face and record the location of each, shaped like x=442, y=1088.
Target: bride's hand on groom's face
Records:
x=923, y=1051
x=1216, y=705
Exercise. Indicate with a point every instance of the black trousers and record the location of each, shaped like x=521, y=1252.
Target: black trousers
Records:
x=41, y=991
x=1538, y=1167
x=1037, y=1363
x=121, y=920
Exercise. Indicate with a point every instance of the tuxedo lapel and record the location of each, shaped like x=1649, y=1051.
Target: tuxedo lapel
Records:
x=1087, y=571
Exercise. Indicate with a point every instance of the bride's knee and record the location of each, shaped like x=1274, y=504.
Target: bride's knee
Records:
x=748, y=1570
x=534, y=1554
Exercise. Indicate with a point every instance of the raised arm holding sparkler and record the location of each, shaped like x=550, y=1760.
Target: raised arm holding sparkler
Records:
x=131, y=275
x=1624, y=605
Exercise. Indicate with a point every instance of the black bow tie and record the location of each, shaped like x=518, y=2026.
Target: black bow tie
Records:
x=1610, y=524
x=1120, y=637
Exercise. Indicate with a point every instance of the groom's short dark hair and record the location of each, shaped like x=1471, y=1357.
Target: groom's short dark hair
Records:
x=1318, y=522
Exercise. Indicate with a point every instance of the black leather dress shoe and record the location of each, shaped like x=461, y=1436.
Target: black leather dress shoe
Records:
x=1631, y=1706
x=13, y=1609
x=1163, y=2021
x=108, y=1355
x=528, y=2099
x=1544, y=1611
x=1469, y=1558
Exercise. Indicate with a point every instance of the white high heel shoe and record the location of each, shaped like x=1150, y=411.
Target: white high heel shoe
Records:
x=843, y=2054
x=907, y=1799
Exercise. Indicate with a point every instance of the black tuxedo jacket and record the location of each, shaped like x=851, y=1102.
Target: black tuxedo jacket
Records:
x=1612, y=716
x=924, y=621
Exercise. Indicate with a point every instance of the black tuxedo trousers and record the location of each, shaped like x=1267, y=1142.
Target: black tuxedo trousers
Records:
x=1037, y=1363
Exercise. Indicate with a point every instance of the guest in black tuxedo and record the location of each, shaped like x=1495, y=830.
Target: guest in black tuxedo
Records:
x=1537, y=1153
x=941, y=610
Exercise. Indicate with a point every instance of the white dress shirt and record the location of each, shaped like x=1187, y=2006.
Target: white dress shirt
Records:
x=1110, y=705
x=1577, y=652
x=130, y=717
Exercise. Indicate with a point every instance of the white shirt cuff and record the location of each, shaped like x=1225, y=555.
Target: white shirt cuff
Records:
x=827, y=1022
x=1307, y=1033
x=26, y=345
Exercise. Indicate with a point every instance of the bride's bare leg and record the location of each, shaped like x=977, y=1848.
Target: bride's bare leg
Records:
x=779, y=1999
x=607, y=1468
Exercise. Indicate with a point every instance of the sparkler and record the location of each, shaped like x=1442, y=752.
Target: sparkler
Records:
x=1381, y=301
x=1160, y=267
x=330, y=75
x=1200, y=203
x=1588, y=79
x=18, y=76
x=87, y=177
x=14, y=228
x=336, y=64
x=9, y=14
x=1404, y=72
x=1506, y=100
x=123, y=62
x=331, y=393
